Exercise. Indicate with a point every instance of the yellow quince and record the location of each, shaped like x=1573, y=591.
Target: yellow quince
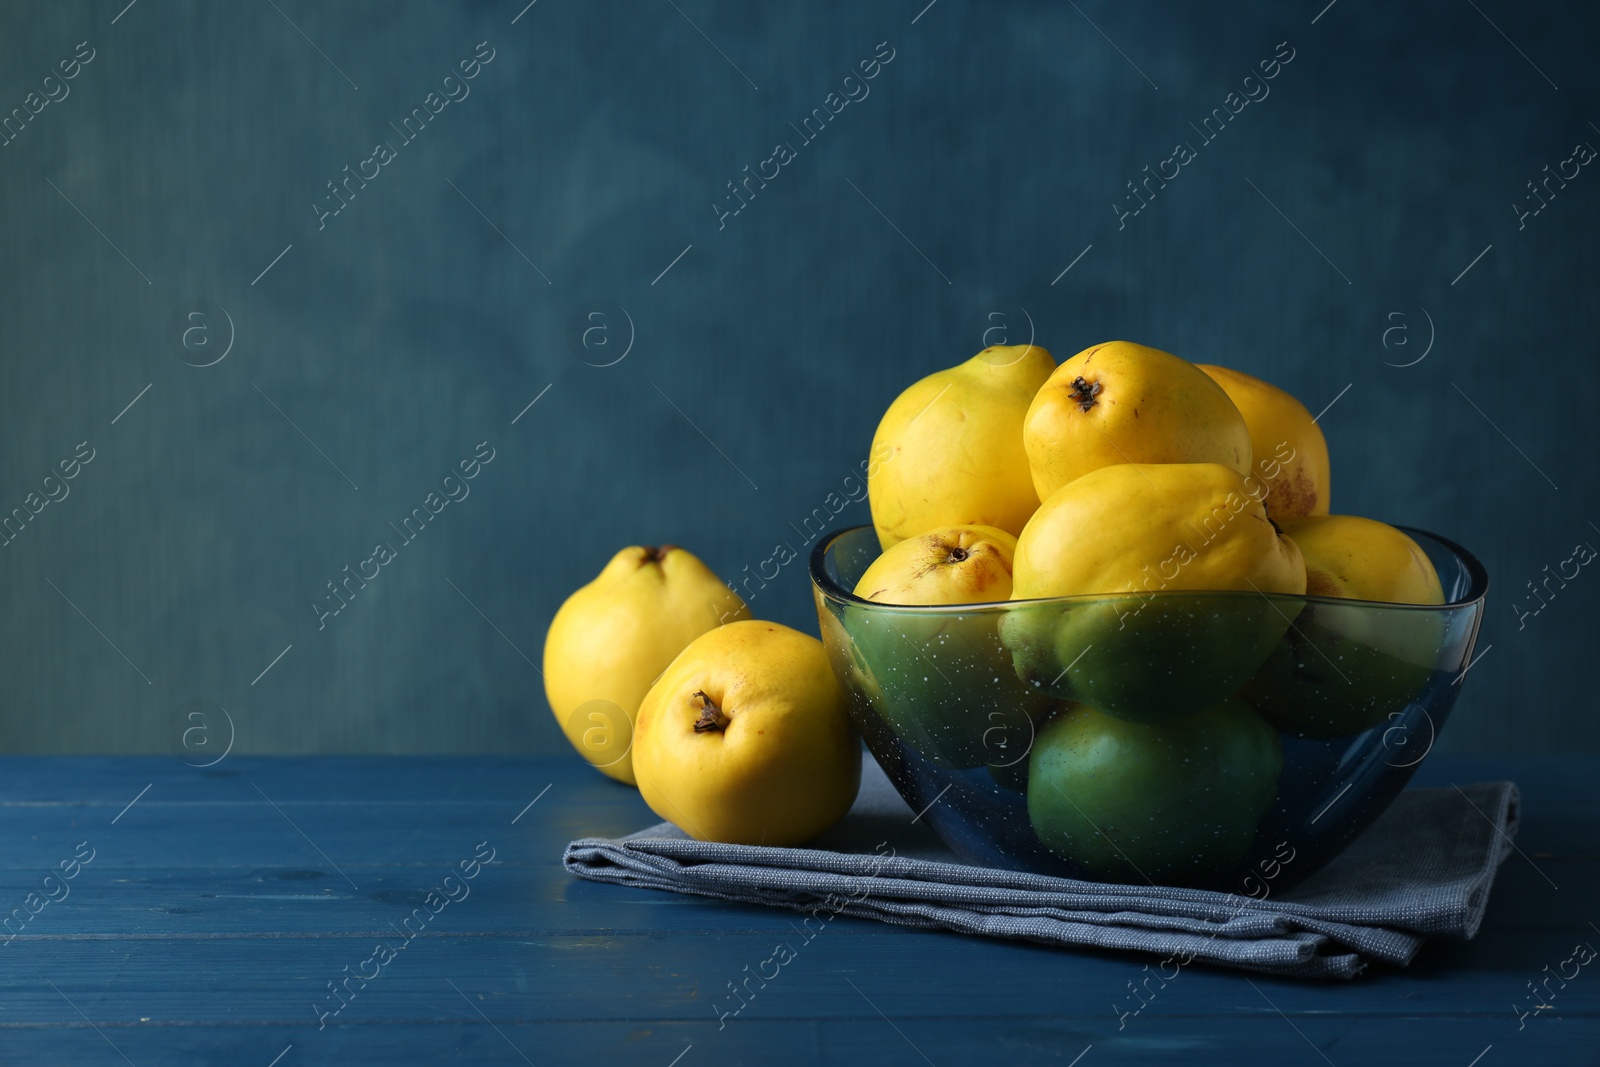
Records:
x=746, y=739
x=948, y=452
x=612, y=638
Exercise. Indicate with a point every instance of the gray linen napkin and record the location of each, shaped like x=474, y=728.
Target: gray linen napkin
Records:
x=1424, y=869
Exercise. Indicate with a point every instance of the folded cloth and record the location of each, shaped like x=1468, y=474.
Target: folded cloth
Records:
x=1424, y=869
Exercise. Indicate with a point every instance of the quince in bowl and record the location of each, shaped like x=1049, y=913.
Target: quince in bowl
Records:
x=1233, y=739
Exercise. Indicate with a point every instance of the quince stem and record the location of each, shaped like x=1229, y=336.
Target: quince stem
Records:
x=1084, y=392
x=711, y=716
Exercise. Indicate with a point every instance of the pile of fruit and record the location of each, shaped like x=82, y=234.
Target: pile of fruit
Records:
x=733, y=728
x=1122, y=474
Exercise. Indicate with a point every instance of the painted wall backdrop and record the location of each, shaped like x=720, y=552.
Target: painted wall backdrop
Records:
x=273, y=270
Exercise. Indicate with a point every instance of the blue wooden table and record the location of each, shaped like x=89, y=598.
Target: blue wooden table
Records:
x=356, y=910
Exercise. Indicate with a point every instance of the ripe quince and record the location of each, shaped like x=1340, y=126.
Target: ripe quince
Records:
x=1119, y=402
x=1287, y=448
x=1124, y=538
x=745, y=739
x=1363, y=559
x=941, y=682
x=1350, y=667
x=948, y=452
x=1178, y=802
x=612, y=638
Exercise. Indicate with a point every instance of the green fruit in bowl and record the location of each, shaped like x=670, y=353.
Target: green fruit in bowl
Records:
x=1145, y=659
x=1347, y=667
x=1146, y=538
x=941, y=681
x=1324, y=681
x=1176, y=803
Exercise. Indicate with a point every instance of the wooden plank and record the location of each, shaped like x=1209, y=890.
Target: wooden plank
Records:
x=236, y=824
x=861, y=1036
x=251, y=836
x=256, y=835
x=207, y=926
x=540, y=896
x=691, y=976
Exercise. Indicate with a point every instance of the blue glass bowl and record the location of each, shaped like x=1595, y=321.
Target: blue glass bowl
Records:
x=1221, y=740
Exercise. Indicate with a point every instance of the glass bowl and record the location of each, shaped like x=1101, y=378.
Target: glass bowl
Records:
x=1221, y=740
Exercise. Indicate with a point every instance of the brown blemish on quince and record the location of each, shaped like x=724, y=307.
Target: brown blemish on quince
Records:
x=1292, y=491
x=1321, y=584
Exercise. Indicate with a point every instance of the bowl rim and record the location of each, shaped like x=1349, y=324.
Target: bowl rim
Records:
x=1477, y=589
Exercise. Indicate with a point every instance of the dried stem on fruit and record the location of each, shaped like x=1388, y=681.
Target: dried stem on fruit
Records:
x=1084, y=392
x=711, y=716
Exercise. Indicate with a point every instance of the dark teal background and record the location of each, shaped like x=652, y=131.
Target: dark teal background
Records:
x=926, y=220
